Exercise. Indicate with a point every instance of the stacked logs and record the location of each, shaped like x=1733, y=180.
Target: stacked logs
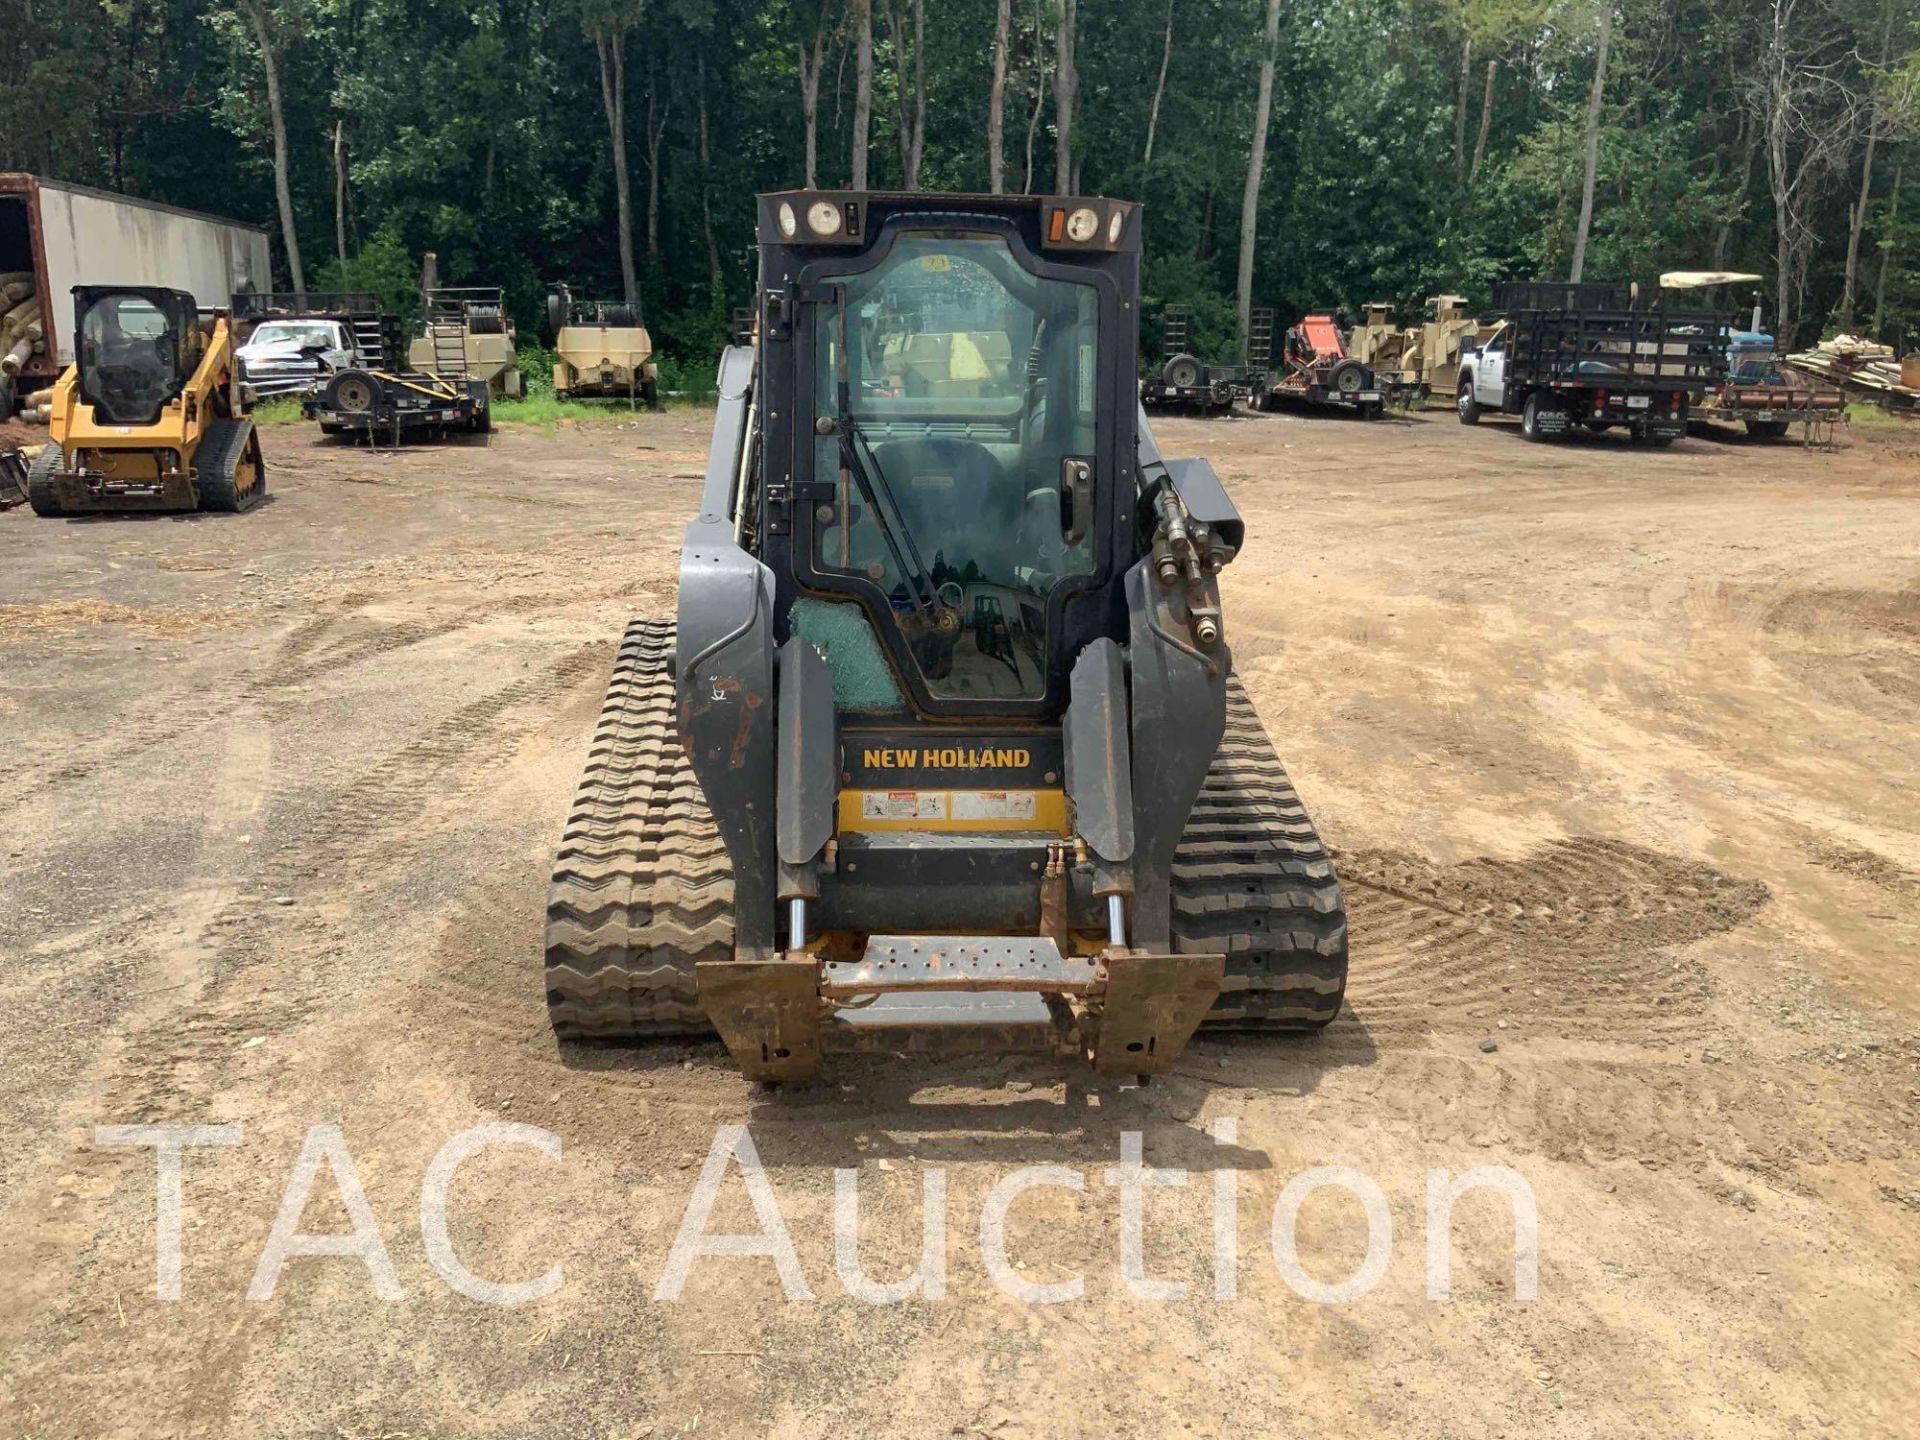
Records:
x=22, y=332
x=22, y=335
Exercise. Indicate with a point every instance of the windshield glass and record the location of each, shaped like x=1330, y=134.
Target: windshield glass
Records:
x=963, y=485
x=299, y=335
x=131, y=361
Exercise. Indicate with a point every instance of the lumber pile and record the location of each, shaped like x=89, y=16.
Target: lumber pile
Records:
x=1861, y=368
x=22, y=334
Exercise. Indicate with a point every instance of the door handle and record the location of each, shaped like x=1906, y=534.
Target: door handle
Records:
x=1076, y=489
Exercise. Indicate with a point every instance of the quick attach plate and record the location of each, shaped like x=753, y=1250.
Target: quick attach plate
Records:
x=776, y=1016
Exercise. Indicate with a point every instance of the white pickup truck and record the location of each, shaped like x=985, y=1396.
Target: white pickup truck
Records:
x=289, y=357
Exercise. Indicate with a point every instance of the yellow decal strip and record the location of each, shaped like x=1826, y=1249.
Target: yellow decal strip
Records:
x=990, y=811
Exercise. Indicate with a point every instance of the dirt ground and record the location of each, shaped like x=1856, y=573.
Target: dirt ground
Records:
x=1619, y=753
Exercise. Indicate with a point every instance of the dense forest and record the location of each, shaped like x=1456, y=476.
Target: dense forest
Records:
x=1290, y=153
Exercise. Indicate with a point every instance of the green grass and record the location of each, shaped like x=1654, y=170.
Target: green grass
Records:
x=540, y=408
x=546, y=410
x=280, y=410
x=1863, y=412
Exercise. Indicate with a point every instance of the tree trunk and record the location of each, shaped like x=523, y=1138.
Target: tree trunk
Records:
x=656, y=128
x=1777, y=175
x=610, y=41
x=919, y=90
x=1460, y=108
x=810, y=98
x=282, y=189
x=1855, y=224
x=1594, y=98
x=863, y=88
x=997, y=99
x=706, y=177
x=1066, y=90
x=1886, y=246
x=1486, y=123
x=1857, y=220
x=1039, y=101
x=1748, y=137
x=1159, y=90
x=912, y=95
x=340, y=192
x=1256, y=163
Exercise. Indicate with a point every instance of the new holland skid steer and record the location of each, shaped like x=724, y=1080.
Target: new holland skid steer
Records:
x=151, y=414
x=946, y=749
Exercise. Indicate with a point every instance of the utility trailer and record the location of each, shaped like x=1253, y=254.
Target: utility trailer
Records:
x=1392, y=353
x=373, y=404
x=1757, y=392
x=1315, y=369
x=1589, y=355
x=1250, y=385
x=55, y=236
x=1767, y=399
x=601, y=348
x=1183, y=382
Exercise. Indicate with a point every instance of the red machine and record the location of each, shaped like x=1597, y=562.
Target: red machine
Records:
x=1316, y=368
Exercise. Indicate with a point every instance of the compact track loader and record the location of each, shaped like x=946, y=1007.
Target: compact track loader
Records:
x=945, y=749
x=150, y=416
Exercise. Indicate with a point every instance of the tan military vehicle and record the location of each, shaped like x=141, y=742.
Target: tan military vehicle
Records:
x=601, y=348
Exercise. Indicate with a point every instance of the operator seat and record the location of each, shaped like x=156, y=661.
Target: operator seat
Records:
x=956, y=497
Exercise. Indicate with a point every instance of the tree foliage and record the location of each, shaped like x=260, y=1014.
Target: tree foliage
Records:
x=1414, y=146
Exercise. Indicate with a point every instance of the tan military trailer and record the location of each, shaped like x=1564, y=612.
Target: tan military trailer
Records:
x=467, y=334
x=601, y=348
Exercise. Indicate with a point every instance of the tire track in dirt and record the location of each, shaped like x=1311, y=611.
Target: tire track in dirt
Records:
x=367, y=827
x=1654, y=1112
x=1578, y=939
x=182, y=716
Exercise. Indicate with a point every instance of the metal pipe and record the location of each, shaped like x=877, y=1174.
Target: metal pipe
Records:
x=797, y=923
x=1116, y=922
x=738, y=500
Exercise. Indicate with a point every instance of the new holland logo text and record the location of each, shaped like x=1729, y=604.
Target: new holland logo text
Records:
x=946, y=758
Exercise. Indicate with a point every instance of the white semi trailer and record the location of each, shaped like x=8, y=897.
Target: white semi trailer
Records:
x=62, y=235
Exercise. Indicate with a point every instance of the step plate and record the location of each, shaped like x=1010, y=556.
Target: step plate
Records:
x=893, y=963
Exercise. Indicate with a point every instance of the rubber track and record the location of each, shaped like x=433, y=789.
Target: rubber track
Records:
x=217, y=462
x=40, y=480
x=1252, y=880
x=642, y=889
